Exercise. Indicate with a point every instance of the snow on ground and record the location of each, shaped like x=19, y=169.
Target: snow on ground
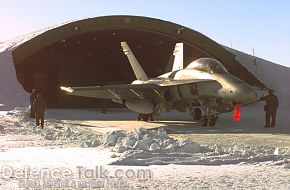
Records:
x=193, y=161
x=136, y=145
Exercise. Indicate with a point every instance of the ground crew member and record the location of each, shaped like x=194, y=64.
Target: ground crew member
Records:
x=39, y=106
x=32, y=98
x=270, y=108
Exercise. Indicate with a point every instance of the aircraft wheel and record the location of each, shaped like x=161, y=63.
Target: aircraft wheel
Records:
x=204, y=121
x=196, y=114
x=212, y=121
x=150, y=117
x=143, y=117
x=139, y=117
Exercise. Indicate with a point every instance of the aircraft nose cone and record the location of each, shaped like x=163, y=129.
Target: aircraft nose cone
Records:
x=246, y=93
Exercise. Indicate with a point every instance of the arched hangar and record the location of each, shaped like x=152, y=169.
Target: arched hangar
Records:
x=87, y=52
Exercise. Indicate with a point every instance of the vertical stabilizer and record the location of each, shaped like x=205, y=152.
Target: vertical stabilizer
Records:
x=138, y=71
x=178, y=57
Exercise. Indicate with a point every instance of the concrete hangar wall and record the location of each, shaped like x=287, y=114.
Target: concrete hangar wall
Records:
x=87, y=52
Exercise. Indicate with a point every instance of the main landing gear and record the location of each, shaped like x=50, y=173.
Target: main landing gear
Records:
x=145, y=117
x=208, y=121
x=196, y=114
x=204, y=120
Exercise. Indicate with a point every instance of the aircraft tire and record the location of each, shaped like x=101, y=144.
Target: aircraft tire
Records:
x=204, y=121
x=139, y=117
x=150, y=117
x=212, y=121
x=143, y=117
x=196, y=114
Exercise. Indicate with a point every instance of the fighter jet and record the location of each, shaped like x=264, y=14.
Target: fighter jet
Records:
x=204, y=88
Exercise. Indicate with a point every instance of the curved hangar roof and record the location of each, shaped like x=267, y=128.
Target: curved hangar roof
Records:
x=88, y=52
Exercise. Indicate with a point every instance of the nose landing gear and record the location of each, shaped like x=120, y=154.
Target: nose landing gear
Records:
x=196, y=114
x=204, y=120
x=208, y=121
x=145, y=117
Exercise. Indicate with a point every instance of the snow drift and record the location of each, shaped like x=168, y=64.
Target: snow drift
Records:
x=155, y=147
x=12, y=93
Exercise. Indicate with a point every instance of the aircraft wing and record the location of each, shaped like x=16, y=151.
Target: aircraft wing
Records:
x=119, y=93
x=168, y=83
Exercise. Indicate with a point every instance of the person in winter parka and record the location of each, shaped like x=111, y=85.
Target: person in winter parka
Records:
x=270, y=108
x=39, y=106
x=33, y=96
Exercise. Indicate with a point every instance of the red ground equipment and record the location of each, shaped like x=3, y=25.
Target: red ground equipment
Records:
x=237, y=112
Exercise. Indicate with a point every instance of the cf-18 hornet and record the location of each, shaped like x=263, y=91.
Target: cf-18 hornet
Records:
x=204, y=88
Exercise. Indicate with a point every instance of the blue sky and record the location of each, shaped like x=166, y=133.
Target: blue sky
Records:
x=242, y=24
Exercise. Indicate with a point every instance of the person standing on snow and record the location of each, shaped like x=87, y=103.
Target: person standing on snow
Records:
x=39, y=106
x=32, y=98
x=270, y=108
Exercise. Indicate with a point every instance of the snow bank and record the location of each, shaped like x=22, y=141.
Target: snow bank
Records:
x=53, y=130
x=192, y=153
x=12, y=93
x=153, y=141
x=147, y=147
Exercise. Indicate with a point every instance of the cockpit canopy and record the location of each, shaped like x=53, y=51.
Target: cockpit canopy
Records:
x=208, y=65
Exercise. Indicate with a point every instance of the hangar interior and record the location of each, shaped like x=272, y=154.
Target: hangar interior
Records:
x=94, y=56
